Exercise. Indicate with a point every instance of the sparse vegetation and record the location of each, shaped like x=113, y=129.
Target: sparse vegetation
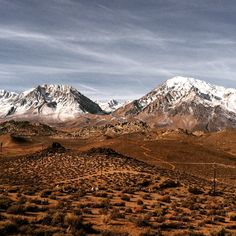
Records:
x=60, y=191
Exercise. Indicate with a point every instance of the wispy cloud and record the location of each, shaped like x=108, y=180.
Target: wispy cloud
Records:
x=105, y=47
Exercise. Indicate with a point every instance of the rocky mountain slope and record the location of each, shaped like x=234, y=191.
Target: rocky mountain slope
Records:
x=49, y=101
x=110, y=106
x=185, y=103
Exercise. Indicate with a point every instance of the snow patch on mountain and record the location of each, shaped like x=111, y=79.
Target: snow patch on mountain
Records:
x=111, y=105
x=183, y=89
x=50, y=101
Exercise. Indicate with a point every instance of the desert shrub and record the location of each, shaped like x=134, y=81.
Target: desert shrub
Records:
x=46, y=193
x=78, y=212
x=128, y=190
x=58, y=219
x=30, y=191
x=69, y=189
x=169, y=184
x=221, y=232
x=116, y=214
x=16, y=209
x=101, y=194
x=139, y=202
x=233, y=217
x=147, y=196
x=144, y=183
x=77, y=226
x=46, y=220
x=2, y=217
x=142, y=222
x=160, y=219
x=60, y=204
x=172, y=225
x=13, y=190
x=219, y=219
x=119, y=204
x=195, y=190
x=8, y=229
x=39, y=201
x=22, y=200
x=104, y=204
x=74, y=221
x=34, y=208
x=88, y=211
x=128, y=210
x=103, y=211
x=20, y=221
x=5, y=203
x=161, y=211
x=125, y=197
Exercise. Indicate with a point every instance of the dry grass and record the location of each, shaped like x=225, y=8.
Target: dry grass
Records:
x=66, y=192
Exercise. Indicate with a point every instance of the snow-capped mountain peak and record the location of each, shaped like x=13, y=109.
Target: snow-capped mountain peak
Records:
x=7, y=95
x=53, y=101
x=111, y=105
x=180, y=89
x=188, y=100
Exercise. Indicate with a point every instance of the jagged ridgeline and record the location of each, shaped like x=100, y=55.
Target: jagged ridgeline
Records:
x=185, y=103
x=180, y=102
x=51, y=101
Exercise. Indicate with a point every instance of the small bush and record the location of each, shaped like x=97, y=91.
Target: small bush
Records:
x=125, y=197
x=8, y=229
x=147, y=197
x=16, y=209
x=58, y=219
x=101, y=194
x=74, y=221
x=47, y=220
x=20, y=221
x=46, y=193
x=169, y=184
x=39, y=201
x=140, y=202
x=119, y=204
x=233, y=217
x=116, y=214
x=5, y=203
x=172, y=225
x=128, y=210
x=195, y=190
x=142, y=222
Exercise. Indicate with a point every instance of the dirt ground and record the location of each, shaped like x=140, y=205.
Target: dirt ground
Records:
x=144, y=183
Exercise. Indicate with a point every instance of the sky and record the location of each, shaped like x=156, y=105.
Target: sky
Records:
x=117, y=49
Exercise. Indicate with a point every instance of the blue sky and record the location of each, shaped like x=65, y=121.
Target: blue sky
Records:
x=116, y=49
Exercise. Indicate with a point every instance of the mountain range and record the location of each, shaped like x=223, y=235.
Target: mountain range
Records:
x=179, y=102
x=59, y=102
x=185, y=103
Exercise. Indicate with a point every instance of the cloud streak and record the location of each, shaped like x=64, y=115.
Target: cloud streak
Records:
x=105, y=47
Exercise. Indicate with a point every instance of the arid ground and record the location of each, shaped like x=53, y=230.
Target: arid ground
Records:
x=116, y=180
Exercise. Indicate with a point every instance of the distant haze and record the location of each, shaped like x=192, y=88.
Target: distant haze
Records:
x=116, y=48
